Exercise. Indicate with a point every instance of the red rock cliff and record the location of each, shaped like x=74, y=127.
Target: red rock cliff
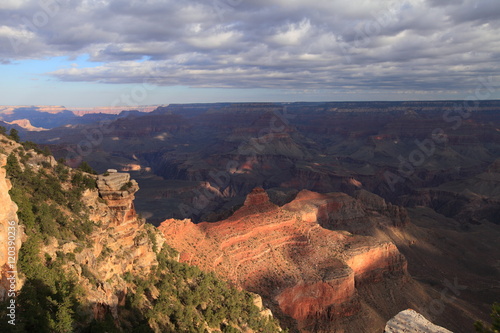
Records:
x=285, y=255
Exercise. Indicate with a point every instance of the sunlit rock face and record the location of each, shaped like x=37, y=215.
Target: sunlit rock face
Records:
x=411, y=321
x=121, y=242
x=11, y=234
x=333, y=296
x=284, y=254
x=118, y=191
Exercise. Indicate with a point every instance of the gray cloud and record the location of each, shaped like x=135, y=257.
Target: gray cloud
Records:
x=315, y=44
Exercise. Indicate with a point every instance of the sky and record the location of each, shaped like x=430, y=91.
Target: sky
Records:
x=86, y=53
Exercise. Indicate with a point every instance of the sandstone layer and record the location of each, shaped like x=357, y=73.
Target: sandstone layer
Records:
x=284, y=254
x=410, y=321
x=118, y=191
x=111, y=255
x=11, y=235
x=121, y=243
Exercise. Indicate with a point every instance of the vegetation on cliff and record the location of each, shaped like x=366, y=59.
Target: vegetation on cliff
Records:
x=495, y=321
x=56, y=284
x=50, y=297
x=177, y=297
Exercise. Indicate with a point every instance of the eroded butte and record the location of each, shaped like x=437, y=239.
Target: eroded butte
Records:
x=284, y=253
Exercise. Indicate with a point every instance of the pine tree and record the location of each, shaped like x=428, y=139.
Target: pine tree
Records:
x=85, y=167
x=13, y=168
x=495, y=324
x=14, y=135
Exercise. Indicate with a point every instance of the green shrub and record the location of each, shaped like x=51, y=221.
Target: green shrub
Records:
x=71, y=256
x=85, y=167
x=128, y=277
x=46, y=151
x=13, y=167
x=62, y=172
x=189, y=297
x=495, y=321
x=31, y=145
x=126, y=186
x=105, y=253
x=83, y=182
x=89, y=275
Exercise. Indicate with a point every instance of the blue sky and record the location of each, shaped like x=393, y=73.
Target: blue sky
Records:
x=116, y=52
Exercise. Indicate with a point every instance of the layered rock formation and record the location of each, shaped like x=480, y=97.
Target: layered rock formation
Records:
x=374, y=202
x=121, y=243
x=323, y=147
x=118, y=191
x=284, y=254
x=98, y=257
x=410, y=321
x=203, y=159
x=11, y=236
x=26, y=124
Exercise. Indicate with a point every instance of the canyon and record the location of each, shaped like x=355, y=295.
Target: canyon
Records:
x=84, y=260
x=284, y=254
x=381, y=179
x=213, y=155
x=119, y=243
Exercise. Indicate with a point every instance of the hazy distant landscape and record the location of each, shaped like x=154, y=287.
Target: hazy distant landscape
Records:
x=284, y=146
x=424, y=176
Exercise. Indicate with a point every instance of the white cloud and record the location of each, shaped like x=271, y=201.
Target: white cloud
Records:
x=213, y=40
x=289, y=44
x=12, y=4
x=292, y=33
x=10, y=32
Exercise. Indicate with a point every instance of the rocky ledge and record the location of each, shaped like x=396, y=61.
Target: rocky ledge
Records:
x=410, y=321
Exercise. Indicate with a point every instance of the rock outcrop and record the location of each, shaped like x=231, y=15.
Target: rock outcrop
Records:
x=110, y=255
x=26, y=124
x=410, y=321
x=398, y=214
x=11, y=236
x=121, y=243
x=118, y=191
x=284, y=254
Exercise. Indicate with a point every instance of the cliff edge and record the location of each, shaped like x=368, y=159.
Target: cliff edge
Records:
x=410, y=321
x=11, y=235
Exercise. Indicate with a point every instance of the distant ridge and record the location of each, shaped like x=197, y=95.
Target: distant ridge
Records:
x=26, y=124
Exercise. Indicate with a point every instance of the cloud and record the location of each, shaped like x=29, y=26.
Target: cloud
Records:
x=292, y=33
x=444, y=3
x=424, y=45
